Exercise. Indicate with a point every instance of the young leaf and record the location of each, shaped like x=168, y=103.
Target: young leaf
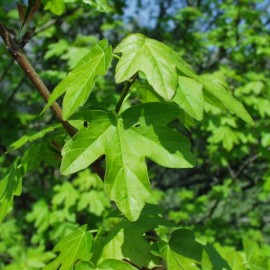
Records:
x=76, y=246
x=80, y=81
x=10, y=186
x=156, y=60
x=140, y=131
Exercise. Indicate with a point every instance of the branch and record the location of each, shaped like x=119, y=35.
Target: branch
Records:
x=17, y=53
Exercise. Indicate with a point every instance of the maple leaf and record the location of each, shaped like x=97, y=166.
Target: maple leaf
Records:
x=75, y=246
x=126, y=140
x=79, y=83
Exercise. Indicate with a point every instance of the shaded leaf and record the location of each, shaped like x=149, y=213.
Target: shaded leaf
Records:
x=216, y=259
x=127, y=240
x=30, y=138
x=10, y=186
x=182, y=251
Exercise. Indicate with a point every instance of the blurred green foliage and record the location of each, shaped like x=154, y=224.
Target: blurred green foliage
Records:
x=225, y=199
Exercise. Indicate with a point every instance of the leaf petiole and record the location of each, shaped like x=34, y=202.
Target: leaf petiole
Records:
x=116, y=56
x=124, y=93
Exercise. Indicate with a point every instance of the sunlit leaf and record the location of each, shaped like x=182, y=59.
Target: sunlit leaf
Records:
x=106, y=265
x=80, y=81
x=157, y=61
x=55, y=6
x=76, y=246
x=189, y=96
x=139, y=132
x=215, y=89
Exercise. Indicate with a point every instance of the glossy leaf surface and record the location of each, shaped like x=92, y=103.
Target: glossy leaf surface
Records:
x=155, y=59
x=139, y=132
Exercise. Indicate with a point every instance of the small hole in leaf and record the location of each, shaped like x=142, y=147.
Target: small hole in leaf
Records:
x=137, y=125
x=85, y=124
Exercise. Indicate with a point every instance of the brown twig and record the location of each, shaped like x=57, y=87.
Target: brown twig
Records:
x=18, y=54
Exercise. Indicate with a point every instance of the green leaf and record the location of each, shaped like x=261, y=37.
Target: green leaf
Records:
x=30, y=138
x=66, y=194
x=101, y=5
x=10, y=186
x=38, y=152
x=85, y=265
x=226, y=136
x=96, y=202
x=189, y=96
x=138, y=132
x=215, y=258
x=127, y=240
x=76, y=246
x=156, y=60
x=106, y=265
x=182, y=251
x=215, y=89
x=55, y=6
x=128, y=243
x=183, y=242
x=174, y=260
x=235, y=260
x=255, y=259
x=80, y=81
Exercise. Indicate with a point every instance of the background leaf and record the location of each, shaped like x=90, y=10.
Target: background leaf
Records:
x=10, y=186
